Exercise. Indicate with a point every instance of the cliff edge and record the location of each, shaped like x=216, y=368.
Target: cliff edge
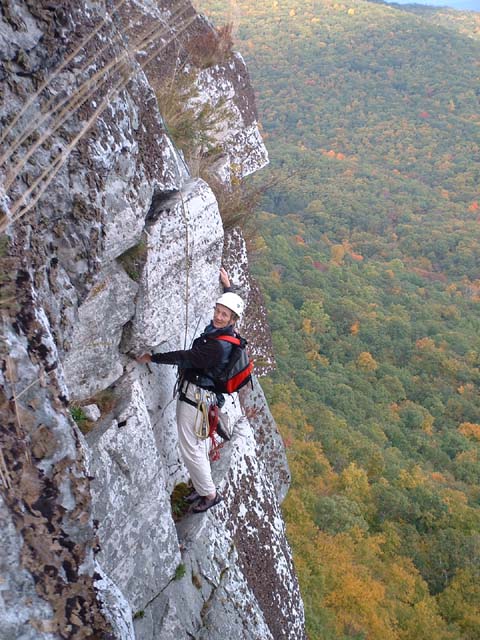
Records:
x=111, y=245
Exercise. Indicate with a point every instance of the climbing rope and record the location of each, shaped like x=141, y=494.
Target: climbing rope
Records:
x=187, y=268
x=206, y=421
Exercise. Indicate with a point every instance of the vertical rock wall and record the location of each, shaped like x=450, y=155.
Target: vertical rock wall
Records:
x=109, y=248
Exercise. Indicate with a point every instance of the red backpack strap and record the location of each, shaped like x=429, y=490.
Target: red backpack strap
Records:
x=232, y=339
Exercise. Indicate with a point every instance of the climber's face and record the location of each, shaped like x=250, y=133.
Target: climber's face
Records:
x=222, y=316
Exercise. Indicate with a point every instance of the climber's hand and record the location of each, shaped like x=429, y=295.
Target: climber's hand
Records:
x=224, y=279
x=144, y=359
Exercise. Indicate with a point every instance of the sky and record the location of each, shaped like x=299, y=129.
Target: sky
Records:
x=472, y=5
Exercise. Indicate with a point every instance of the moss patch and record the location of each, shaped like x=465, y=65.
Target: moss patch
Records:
x=84, y=424
x=177, y=501
x=133, y=260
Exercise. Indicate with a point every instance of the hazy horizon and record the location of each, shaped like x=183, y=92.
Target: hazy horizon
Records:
x=469, y=5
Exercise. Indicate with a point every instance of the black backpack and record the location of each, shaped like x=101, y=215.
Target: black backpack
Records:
x=238, y=371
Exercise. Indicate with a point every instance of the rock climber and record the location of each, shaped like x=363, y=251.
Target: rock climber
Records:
x=199, y=366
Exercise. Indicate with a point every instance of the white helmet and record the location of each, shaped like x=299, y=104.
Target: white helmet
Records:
x=233, y=302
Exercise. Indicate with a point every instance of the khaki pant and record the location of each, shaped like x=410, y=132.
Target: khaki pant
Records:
x=194, y=451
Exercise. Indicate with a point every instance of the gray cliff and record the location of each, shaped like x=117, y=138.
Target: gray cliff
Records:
x=111, y=245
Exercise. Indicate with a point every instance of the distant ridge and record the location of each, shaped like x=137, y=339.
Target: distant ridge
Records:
x=460, y=5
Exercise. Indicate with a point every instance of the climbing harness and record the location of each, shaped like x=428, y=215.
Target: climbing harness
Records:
x=206, y=418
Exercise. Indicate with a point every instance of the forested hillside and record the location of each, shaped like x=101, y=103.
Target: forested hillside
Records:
x=369, y=257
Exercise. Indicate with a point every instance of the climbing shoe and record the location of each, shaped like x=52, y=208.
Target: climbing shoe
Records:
x=207, y=503
x=192, y=497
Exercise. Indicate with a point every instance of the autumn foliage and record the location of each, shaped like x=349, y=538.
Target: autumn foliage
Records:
x=370, y=268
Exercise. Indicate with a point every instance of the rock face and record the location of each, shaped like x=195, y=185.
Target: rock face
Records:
x=111, y=247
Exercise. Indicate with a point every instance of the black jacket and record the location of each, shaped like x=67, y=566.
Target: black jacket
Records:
x=205, y=360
